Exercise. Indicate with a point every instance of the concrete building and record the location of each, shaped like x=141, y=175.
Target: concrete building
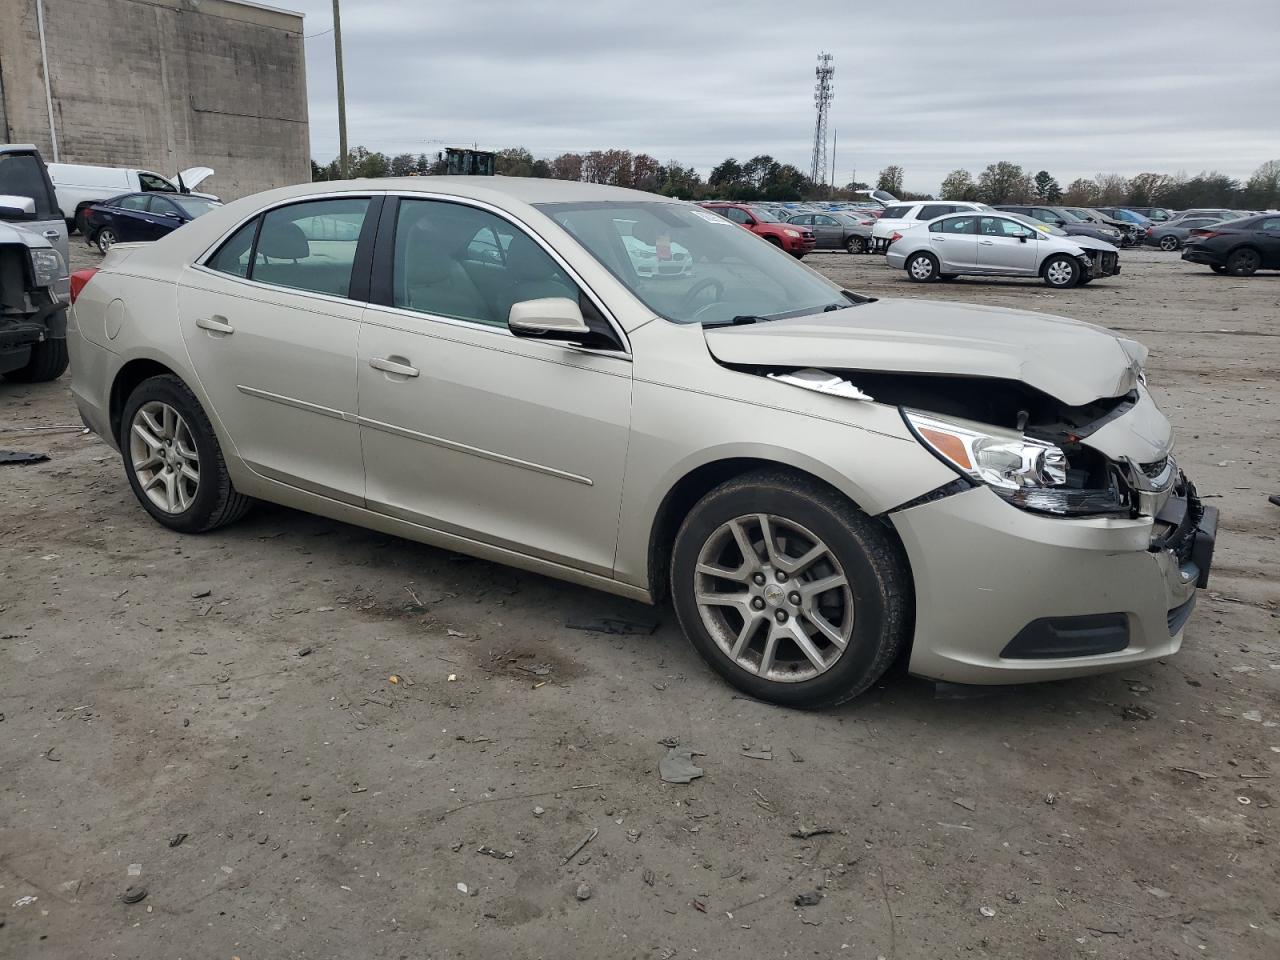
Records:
x=159, y=84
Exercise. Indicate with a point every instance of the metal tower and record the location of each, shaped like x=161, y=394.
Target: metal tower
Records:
x=822, y=100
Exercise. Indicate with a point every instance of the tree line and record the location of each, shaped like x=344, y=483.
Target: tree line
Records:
x=1006, y=182
x=764, y=178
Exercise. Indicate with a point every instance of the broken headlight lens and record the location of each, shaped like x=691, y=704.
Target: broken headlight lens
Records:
x=1032, y=474
x=47, y=267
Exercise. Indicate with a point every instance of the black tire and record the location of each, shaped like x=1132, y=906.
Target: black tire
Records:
x=1169, y=242
x=48, y=361
x=1069, y=270
x=216, y=502
x=775, y=241
x=916, y=267
x=1244, y=262
x=798, y=254
x=872, y=560
x=1217, y=268
x=856, y=245
x=81, y=223
x=1085, y=280
x=105, y=239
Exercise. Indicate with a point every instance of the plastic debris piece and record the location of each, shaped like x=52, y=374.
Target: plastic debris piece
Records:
x=965, y=802
x=583, y=892
x=678, y=766
x=809, y=898
x=134, y=894
x=22, y=457
x=176, y=839
x=617, y=626
x=820, y=381
x=987, y=911
x=135, y=869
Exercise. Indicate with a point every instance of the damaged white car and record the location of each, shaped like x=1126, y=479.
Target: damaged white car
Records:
x=821, y=482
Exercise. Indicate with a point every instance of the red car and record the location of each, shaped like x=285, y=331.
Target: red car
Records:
x=796, y=240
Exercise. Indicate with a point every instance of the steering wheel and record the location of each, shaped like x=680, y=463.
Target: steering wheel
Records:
x=698, y=288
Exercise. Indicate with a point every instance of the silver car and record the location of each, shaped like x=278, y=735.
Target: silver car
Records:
x=821, y=482
x=999, y=244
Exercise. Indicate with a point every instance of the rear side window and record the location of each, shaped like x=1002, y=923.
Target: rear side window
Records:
x=1271, y=226
x=310, y=246
x=134, y=201
x=22, y=175
x=233, y=256
x=954, y=225
x=931, y=210
x=895, y=213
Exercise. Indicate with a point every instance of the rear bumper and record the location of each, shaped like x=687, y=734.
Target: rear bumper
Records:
x=1196, y=254
x=1007, y=596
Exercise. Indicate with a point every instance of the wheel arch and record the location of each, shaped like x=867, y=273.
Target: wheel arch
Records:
x=697, y=482
x=127, y=379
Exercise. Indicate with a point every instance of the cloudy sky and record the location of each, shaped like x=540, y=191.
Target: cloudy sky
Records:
x=1118, y=86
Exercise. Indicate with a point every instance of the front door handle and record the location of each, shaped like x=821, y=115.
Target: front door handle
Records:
x=215, y=325
x=393, y=367
x=986, y=243
x=51, y=234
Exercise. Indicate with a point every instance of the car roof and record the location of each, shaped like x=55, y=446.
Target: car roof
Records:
x=17, y=148
x=522, y=189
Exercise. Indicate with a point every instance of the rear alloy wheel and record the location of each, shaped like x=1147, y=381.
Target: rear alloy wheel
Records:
x=1244, y=263
x=856, y=245
x=1169, y=242
x=788, y=591
x=105, y=239
x=1061, y=271
x=922, y=268
x=173, y=461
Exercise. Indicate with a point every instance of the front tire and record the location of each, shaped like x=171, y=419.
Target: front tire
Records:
x=1169, y=242
x=1244, y=263
x=173, y=461
x=1061, y=271
x=788, y=591
x=48, y=361
x=922, y=268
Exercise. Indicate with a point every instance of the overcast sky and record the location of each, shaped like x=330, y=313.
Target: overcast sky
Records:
x=1118, y=86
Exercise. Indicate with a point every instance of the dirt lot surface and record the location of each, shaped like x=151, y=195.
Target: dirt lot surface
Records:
x=215, y=715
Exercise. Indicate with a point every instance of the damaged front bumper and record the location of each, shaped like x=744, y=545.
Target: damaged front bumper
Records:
x=1005, y=595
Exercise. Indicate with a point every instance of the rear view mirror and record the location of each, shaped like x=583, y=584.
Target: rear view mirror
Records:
x=16, y=208
x=558, y=316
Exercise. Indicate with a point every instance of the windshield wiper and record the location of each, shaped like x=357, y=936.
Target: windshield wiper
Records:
x=741, y=320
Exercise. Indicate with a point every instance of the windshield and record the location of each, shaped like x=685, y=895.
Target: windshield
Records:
x=22, y=175
x=195, y=206
x=1038, y=224
x=1068, y=215
x=732, y=274
x=764, y=216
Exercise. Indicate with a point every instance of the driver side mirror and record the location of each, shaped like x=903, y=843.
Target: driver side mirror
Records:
x=558, y=316
x=17, y=208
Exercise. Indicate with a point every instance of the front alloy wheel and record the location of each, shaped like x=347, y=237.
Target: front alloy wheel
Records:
x=774, y=598
x=164, y=457
x=1168, y=242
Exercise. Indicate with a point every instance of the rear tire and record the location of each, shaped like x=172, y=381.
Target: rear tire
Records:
x=105, y=239
x=947, y=276
x=1217, y=268
x=856, y=245
x=1244, y=262
x=48, y=361
x=922, y=268
x=866, y=603
x=212, y=501
x=1061, y=271
x=1169, y=242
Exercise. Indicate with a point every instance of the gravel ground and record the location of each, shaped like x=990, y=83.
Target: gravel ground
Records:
x=217, y=715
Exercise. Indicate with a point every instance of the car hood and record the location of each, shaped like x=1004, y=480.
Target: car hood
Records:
x=1072, y=361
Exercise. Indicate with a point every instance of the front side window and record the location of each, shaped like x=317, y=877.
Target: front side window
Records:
x=149, y=181
x=804, y=220
x=736, y=215
x=457, y=261
x=311, y=245
x=824, y=221
x=1000, y=227
x=136, y=202
x=1270, y=226
x=191, y=206
x=722, y=273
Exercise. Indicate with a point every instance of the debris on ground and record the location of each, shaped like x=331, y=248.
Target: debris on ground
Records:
x=616, y=626
x=678, y=766
x=135, y=870
x=987, y=911
x=1195, y=773
x=201, y=594
x=496, y=854
x=1135, y=712
x=809, y=898
x=176, y=839
x=804, y=833
x=578, y=849
x=795, y=757
x=670, y=741
x=965, y=802
x=21, y=457
x=583, y=892
x=134, y=894
x=538, y=811
x=757, y=751
x=648, y=877
x=633, y=836
x=304, y=652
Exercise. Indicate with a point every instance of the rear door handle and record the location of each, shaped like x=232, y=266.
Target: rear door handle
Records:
x=215, y=325
x=393, y=367
x=986, y=243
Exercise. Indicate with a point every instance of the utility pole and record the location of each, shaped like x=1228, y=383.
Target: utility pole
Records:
x=821, y=100
x=342, y=93
x=835, y=138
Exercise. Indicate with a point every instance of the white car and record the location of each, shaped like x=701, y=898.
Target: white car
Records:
x=904, y=216
x=81, y=185
x=999, y=244
x=658, y=259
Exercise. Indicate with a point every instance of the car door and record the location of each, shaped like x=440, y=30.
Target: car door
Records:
x=955, y=242
x=165, y=215
x=827, y=231
x=128, y=216
x=1267, y=233
x=1006, y=246
x=271, y=323
x=468, y=429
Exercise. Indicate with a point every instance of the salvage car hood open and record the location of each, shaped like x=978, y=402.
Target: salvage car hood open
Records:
x=1072, y=361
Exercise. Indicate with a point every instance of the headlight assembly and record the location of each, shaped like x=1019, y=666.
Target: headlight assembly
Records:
x=47, y=267
x=1032, y=474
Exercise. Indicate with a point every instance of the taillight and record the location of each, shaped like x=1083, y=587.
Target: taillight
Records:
x=79, y=279
x=1204, y=233
x=896, y=237
x=868, y=223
